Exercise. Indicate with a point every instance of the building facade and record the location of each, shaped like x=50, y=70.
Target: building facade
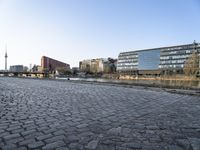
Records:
x=84, y=65
x=139, y=60
x=17, y=68
x=51, y=65
x=99, y=65
x=175, y=57
x=164, y=58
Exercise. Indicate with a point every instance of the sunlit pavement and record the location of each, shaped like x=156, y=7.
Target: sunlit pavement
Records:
x=44, y=114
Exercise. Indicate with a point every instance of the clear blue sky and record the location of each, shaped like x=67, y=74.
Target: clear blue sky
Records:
x=73, y=30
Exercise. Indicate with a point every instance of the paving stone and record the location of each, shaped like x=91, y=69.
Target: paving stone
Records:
x=28, y=132
x=195, y=143
x=62, y=148
x=42, y=137
x=133, y=145
x=17, y=131
x=14, y=141
x=92, y=144
x=60, y=132
x=11, y=136
x=152, y=127
x=72, y=138
x=53, y=145
x=107, y=147
x=33, y=135
x=126, y=132
x=51, y=130
x=174, y=147
x=36, y=145
x=4, y=134
x=36, y=113
x=139, y=126
x=13, y=128
x=75, y=146
x=21, y=148
x=82, y=125
x=115, y=131
x=55, y=138
x=26, y=142
x=121, y=148
x=184, y=143
x=2, y=130
x=9, y=147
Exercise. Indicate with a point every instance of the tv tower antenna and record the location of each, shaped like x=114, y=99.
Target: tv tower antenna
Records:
x=6, y=56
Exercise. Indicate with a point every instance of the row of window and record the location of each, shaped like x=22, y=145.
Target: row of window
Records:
x=163, y=61
x=160, y=66
x=172, y=66
x=178, y=53
x=126, y=67
x=173, y=61
x=174, y=57
x=128, y=64
x=127, y=60
x=185, y=47
x=128, y=54
x=128, y=57
x=172, y=49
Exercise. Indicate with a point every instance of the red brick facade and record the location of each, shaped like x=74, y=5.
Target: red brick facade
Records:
x=49, y=64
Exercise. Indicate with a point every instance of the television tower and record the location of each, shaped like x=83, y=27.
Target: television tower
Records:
x=6, y=56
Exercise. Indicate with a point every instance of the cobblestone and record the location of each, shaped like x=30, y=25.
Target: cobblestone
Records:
x=26, y=142
x=36, y=145
x=42, y=137
x=44, y=114
x=92, y=144
x=11, y=136
x=54, y=145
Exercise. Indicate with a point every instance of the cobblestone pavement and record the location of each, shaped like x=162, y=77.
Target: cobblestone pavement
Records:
x=44, y=114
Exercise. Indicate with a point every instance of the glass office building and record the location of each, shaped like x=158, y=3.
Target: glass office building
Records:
x=175, y=57
x=149, y=59
x=164, y=58
x=138, y=60
x=127, y=61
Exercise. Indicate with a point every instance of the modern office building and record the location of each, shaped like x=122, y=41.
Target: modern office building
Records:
x=164, y=58
x=138, y=60
x=17, y=68
x=49, y=64
x=173, y=58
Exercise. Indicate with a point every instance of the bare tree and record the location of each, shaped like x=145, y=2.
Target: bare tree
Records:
x=191, y=67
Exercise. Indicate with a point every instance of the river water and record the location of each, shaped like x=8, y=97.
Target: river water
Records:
x=162, y=83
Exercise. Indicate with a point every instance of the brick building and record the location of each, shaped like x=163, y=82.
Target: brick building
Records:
x=50, y=65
